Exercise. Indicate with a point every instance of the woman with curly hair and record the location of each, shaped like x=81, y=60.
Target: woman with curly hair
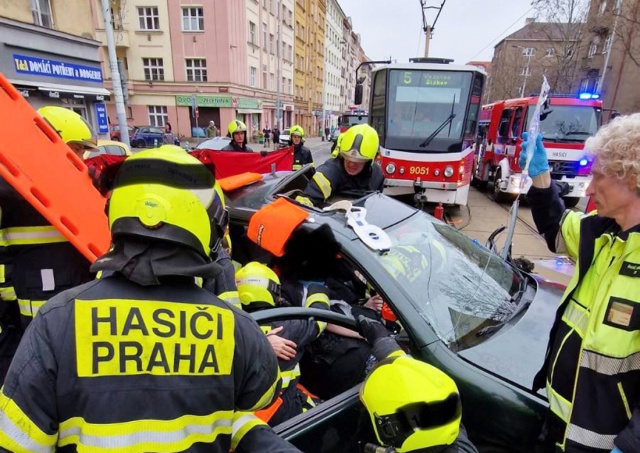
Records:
x=592, y=367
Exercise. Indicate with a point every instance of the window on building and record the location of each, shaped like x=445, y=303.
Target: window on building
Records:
x=272, y=47
x=153, y=68
x=603, y=7
x=525, y=71
x=264, y=36
x=41, y=11
x=549, y=52
x=607, y=44
x=158, y=115
x=192, y=19
x=528, y=51
x=264, y=77
x=252, y=33
x=252, y=76
x=148, y=18
x=272, y=82
x=593, y=48
x=290, y=18
x=196, y=69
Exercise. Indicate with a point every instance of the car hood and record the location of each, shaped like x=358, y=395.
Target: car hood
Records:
x=517, y=352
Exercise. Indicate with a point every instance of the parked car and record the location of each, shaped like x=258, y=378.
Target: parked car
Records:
x=146, y=136
x=285, y=136
x=111, y=147
x=114, y=132
x=469, y=312
x=215, y=143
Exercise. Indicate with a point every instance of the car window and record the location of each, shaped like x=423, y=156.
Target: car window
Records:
x=459, y=286
x=156, y=130
x=114, y=150
x=144, y=130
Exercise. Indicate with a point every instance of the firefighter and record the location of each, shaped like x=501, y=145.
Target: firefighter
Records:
x=250, y=435
x=259, y=289
x=353, y=170
x=237, y=132
x=36, y=260
x=143, y=359
x=414, y=407
x=301, y=154
x=590, y=370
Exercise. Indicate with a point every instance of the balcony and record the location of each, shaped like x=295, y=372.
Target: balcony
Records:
x=121, y=37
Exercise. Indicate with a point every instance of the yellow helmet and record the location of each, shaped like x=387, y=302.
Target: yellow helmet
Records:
x=258, y=286
x=166, y=195
x=405, y=261
x=236, y=126
x=360, y=143
x=296, y=130
x=72, y=127
x=412, y=404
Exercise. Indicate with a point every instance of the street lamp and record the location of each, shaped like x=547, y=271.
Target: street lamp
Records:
x=526, y=71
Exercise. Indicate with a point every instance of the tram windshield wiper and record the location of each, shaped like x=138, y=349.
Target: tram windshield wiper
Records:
x=437, y=131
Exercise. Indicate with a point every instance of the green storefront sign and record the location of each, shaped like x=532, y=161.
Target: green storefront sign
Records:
x=205, y=100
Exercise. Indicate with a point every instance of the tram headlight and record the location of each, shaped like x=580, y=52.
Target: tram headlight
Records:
x=436, y=172
x=390, y=168
x=448, y=171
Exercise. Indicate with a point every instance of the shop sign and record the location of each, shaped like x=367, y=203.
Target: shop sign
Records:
x=204, y=100
x=102, y=119
x=54, y=68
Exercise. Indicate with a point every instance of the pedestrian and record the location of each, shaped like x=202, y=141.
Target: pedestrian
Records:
x=414, y=406
x=301, y=154
x=276, y=137
x=237, y=132
x=167, y=128
x=267, y=134
x=36, y=260
x=590, y=370
x=326, y=133
x=212, y=130
x=143, y=359
x=354, y=169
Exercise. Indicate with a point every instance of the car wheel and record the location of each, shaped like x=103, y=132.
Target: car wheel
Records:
x=571, y=202
x=140, y=144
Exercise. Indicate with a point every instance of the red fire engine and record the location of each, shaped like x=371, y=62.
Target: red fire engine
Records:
x=426, y=114
x=565, y=124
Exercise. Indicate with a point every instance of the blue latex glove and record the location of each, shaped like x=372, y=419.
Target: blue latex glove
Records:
x=616, y=450
x=539, y=163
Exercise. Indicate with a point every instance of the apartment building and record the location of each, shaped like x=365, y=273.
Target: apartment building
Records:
x=608, y=62
x=333, y=87
x=48, y=51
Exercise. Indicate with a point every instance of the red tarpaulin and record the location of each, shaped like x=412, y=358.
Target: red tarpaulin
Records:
x=230, y=163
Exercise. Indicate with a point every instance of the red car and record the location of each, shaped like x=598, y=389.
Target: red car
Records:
x=114, y=132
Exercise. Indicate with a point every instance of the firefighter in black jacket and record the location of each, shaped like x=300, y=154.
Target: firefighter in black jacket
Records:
x=237, y=132
x=259, y=288
x=143, y=359
x=301, y=154
x=36, y=260
x=353, y=170
x=591, y=371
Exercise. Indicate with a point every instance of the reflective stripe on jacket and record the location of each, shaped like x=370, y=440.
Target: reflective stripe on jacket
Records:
x=592, y=368
x=331, y=178
x=126, y=368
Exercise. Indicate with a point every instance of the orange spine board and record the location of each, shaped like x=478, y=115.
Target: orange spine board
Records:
x=44, y=170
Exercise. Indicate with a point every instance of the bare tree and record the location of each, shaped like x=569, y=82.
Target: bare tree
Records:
x=563, y=22
x=506, y=77
x=624, y=33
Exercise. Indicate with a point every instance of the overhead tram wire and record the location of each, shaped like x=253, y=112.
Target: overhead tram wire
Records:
x=502, y=33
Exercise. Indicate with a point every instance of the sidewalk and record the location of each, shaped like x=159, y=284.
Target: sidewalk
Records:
x=487, y=215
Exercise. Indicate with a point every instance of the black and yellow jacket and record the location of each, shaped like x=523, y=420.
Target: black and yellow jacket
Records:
x=331, y=178
x=116, y=366
x=592, y=367
x=301, y=156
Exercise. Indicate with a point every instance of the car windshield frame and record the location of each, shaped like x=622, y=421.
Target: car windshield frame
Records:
x=463, y=291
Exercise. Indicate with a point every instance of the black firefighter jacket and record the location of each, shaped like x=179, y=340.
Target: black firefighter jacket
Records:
x=114, y=364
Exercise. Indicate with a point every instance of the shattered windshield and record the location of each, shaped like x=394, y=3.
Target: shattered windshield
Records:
x=458, y=286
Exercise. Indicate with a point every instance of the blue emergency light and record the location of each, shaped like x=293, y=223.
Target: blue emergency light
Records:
x=585, y=96
x=583, y=162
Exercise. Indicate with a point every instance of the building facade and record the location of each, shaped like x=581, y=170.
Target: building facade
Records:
x=333, y=43
x=609, y=63
x=48, y=51
x=539, y=48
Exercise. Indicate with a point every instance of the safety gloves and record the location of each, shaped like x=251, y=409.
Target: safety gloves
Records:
x=539, y=163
